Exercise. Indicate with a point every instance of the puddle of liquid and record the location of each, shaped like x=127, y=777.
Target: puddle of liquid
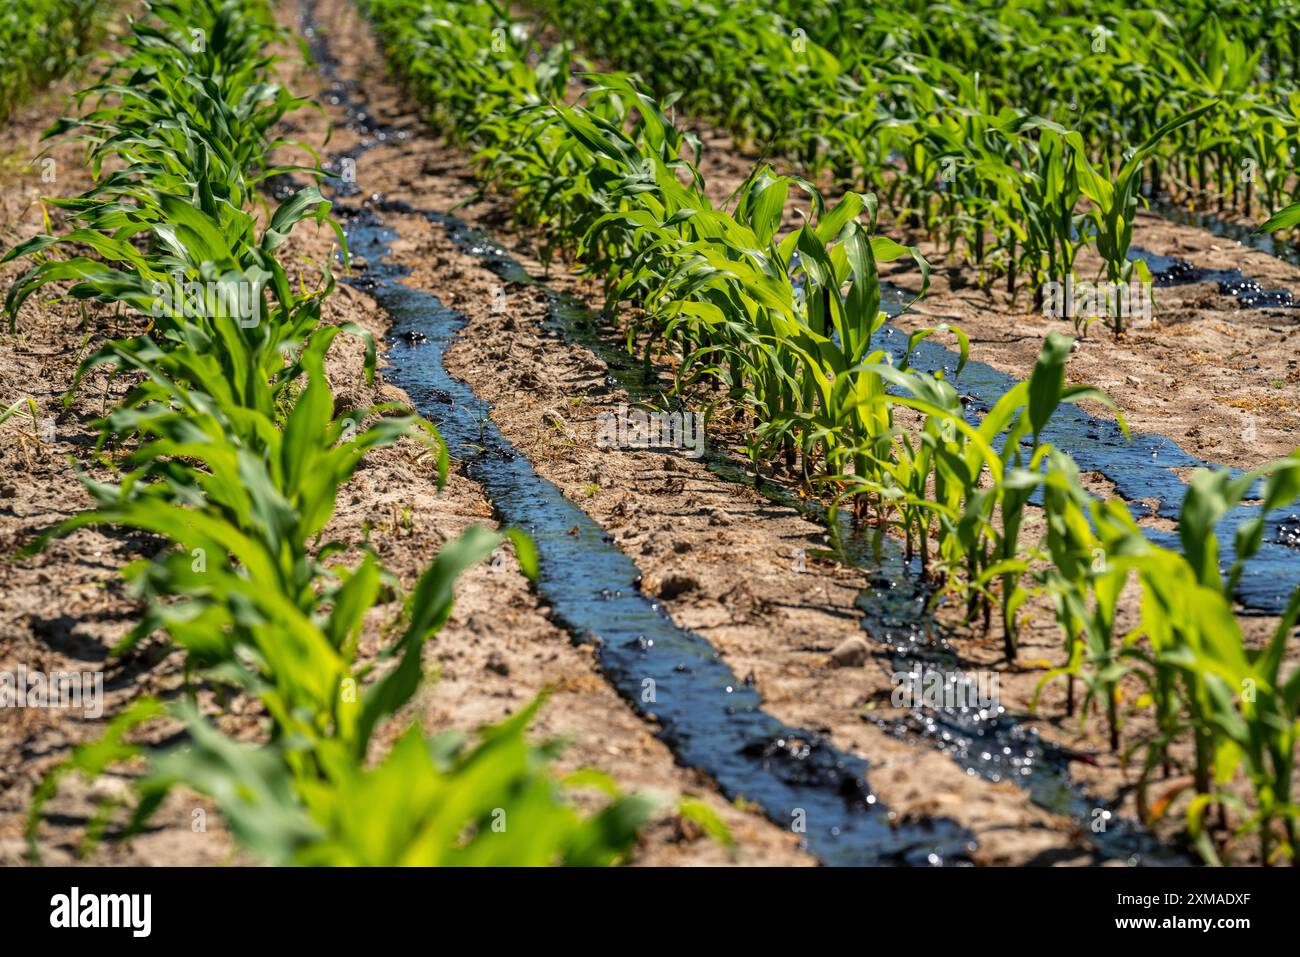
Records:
x=1171, y=271
x=980, y=735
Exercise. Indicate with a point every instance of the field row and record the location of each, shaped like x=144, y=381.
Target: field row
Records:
x=1015, y=139
x=780, y=329
x=1011, y=134
x=230, y=450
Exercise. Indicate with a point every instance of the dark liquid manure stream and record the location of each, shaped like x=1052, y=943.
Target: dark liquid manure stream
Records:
x=710, y=719
x=1172, y=271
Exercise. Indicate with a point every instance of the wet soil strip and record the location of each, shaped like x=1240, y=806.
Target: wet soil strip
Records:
x=1172, y=271
x=712, y=721
x=989, y=741
x=1269, y=243
x=982, y=737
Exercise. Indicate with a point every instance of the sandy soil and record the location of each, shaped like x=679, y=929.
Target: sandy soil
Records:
x=663, y=511
x=66, y=608
x=724, y=560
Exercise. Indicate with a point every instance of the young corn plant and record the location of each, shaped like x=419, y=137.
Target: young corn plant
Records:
x=1237, y=704
x=1085, y=589
x=1114, y=206
x=1054, y=231
x=311, y=795
x=1245, y=710
x=978, y=479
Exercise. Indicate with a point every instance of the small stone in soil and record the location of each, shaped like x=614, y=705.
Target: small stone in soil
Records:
x=850, y=653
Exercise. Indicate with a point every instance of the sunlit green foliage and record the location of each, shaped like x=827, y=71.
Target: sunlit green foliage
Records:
x=971, y=119
x=229, y=449
x=40, y=40
x=778, y=319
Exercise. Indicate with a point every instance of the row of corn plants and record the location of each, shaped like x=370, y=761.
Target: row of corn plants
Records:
x=781, y=328
x=228, y=448
x=1202, y=683
x=1013, y=135
x=40, y=41
x=779, y=325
